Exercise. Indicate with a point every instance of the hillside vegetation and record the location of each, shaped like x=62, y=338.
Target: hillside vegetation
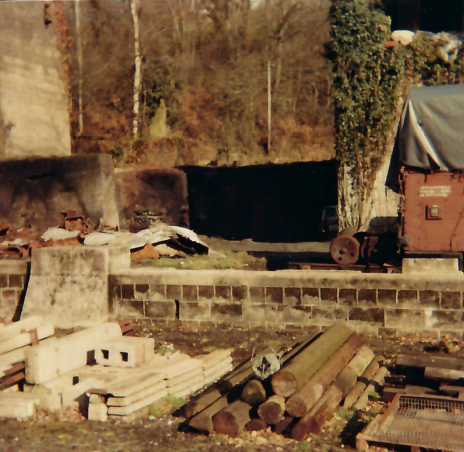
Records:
x=204, y=80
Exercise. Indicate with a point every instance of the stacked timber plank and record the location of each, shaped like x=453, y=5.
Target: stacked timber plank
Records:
x=15, y=340
x=315, y=377
x=437, y=374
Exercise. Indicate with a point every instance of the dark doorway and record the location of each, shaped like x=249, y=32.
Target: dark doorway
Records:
x=271, y=203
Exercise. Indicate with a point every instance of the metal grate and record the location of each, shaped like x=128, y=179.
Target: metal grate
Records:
x=424, y=421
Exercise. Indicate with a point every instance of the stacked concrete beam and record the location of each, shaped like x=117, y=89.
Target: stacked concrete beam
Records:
x=47, y=361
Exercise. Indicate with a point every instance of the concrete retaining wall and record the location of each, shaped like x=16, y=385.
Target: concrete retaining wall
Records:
x=34, y=118
x=386, y=303
x=33, y=192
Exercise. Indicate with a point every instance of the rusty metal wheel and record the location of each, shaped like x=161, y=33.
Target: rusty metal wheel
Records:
x=344, y=250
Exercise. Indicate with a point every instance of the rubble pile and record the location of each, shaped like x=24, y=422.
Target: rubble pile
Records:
x=295, y=400
x=159, y=240
x=98, y=371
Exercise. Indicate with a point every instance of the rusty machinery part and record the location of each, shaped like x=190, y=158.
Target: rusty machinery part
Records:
x=344, y=249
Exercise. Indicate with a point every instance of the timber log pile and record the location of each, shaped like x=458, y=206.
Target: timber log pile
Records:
x=315, y=377
x=436, y=374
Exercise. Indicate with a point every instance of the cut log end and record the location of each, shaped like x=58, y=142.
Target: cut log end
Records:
x=284, y=384
x=296, y=407
x=256, y=425
x=225, y=424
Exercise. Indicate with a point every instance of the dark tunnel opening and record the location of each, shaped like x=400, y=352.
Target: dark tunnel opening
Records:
x=266, y=203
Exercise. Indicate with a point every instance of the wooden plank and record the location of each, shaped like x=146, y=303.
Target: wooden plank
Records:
x=430, y=360
x=20, y=340
x=435, y=373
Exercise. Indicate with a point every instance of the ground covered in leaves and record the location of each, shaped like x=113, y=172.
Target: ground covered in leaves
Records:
x=163, y=428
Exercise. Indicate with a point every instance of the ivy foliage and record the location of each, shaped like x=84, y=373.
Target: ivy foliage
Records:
x=366, y=81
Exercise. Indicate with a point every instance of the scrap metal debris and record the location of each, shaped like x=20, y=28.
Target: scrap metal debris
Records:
x=159, y=240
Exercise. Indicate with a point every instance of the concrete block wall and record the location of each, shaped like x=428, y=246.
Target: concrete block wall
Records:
x=392, y=304
x=13, y=276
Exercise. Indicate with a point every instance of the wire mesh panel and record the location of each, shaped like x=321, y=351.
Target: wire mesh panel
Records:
x=424, y=421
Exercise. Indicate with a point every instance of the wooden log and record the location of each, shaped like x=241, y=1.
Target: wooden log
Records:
x=235, y=380
x=240, y=375
x=435, y=373
x=272, y=411
x=203, y=421
x=284, y=424
x=362, y=382
x=348, y=377
x=431, y=360
x=309, y=361
x=256, y=425
x=232, y=419
x=314, y=420
x=311, y=391
x=253, y=393
x=376, y=380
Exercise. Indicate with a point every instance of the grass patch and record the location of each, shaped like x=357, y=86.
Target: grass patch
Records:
x=344, y=414
x=232, y=260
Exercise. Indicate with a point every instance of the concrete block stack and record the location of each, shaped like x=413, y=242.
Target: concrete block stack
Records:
x=97, y=370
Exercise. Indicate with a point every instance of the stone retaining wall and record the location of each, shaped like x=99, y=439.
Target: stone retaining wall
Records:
x=13, y=276
x=385, y=303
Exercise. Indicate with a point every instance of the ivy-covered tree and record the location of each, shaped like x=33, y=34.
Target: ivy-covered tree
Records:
x=366, y=86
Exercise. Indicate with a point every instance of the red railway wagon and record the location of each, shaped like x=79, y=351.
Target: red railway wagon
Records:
x=430, y=145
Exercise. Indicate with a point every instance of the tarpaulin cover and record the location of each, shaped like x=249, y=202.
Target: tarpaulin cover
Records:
x=431, y=131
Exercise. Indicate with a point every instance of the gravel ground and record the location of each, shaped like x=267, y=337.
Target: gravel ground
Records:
x=163, y=428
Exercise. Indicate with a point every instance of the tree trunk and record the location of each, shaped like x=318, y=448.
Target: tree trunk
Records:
x=138, y=69
x=272, y=411
x=305, y=398
x=360, y=385
x=288, y=380
x=254, y=393
x=232, y=419
x=80, y=62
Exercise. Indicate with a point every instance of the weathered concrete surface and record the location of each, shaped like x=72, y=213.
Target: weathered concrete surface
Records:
x=126, y=352
x=69, y=284
x=34, y=117
x=55, y=358
x=33, y=192
x=163, y=192
x=442, y=266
